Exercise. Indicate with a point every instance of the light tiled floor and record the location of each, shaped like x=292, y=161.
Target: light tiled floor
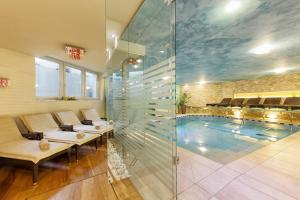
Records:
x=272, y=172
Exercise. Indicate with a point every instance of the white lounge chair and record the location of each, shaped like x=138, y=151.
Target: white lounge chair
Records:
x=46, y=124
x=69, y=118
x=16, y=149
x=92, y=115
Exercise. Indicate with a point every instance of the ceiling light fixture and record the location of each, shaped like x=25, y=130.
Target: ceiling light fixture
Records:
x=280, y=70
x=139, y=60
x=232, y=6
x=262, y=49
x=202, y=82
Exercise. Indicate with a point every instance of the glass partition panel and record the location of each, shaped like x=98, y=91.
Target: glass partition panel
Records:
x=141, y=102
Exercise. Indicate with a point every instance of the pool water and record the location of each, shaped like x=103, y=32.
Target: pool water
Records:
x=224, y=140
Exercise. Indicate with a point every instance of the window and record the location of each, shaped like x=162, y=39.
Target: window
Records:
x=55, y=78
x=47, y=78
x=73, y=82
x=91, y=85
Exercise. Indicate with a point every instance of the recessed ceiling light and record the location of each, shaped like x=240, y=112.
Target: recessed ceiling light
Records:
x=201, y=82
x=280, y=70
x=262, y=49
x=232, y=6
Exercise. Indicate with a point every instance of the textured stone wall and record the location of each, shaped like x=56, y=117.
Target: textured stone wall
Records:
x=215, y=92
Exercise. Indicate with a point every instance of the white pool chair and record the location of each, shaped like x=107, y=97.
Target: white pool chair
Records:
x=92, y=114
x=69, y=118
x=15, y=149
x=45, y=123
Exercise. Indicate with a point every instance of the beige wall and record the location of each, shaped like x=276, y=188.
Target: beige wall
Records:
x=19, y=98
x=214, y=93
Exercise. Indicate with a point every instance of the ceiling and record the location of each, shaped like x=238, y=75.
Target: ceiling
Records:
x=42, y=28
x=225, y=40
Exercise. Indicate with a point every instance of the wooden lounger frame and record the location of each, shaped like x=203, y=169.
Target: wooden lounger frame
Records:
x=35, y=166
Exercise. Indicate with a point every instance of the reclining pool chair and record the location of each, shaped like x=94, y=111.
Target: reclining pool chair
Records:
x=69, y=118
x=254, y=103
x=92, y=115
x=45, y=123
x=272, y=103
x=292, y=103
x=238, y=102
x=16, y=149
x=225, y=102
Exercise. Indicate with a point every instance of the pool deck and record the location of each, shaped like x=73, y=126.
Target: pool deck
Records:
x=271, y=172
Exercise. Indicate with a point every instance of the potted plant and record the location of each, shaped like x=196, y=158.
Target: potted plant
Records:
x=182, y=101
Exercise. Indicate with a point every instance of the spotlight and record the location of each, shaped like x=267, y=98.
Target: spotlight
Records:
x=280, y=70
x=262, y=49
x=232, y=6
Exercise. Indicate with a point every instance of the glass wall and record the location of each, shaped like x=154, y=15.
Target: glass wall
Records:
x=141, y=102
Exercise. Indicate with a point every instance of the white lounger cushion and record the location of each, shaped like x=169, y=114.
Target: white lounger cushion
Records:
x=45, y=124
x=90, y=129
x=67, y=118
x=39, y=122
x=90, y=114
x=68, y=137
x=13, y=145
x=8, y=130
x=29, y=150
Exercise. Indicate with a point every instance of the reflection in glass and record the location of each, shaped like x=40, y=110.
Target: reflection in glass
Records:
x=47, y=78
x=73, y=82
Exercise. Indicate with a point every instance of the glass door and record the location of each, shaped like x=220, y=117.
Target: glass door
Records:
x=141, y=96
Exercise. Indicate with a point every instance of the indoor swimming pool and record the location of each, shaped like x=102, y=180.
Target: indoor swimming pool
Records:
x=224, y=140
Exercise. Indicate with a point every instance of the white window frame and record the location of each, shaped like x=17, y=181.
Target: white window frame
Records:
x=62, y=80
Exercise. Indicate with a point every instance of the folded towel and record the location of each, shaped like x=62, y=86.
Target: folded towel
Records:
x=44, y=145
x=80, y=135
x=111, y=122
x=97, y=127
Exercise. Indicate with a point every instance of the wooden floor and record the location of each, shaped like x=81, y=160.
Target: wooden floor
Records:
x=85, y=180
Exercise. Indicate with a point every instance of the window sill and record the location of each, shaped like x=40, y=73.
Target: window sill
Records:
x=61, y=100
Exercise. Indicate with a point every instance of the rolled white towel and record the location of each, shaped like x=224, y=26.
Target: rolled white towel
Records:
x=111, y=122
x=80, y=135
x=97, y=127
x=44, y=145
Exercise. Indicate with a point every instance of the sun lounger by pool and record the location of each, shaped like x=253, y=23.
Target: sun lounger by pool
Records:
x=69, y=118
x=254, y=103
x=225, y=102
x=239, y=102
x=91, y=114
x=292, y=103
x=46, y=124
x=16, y=149
x=272, y=103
